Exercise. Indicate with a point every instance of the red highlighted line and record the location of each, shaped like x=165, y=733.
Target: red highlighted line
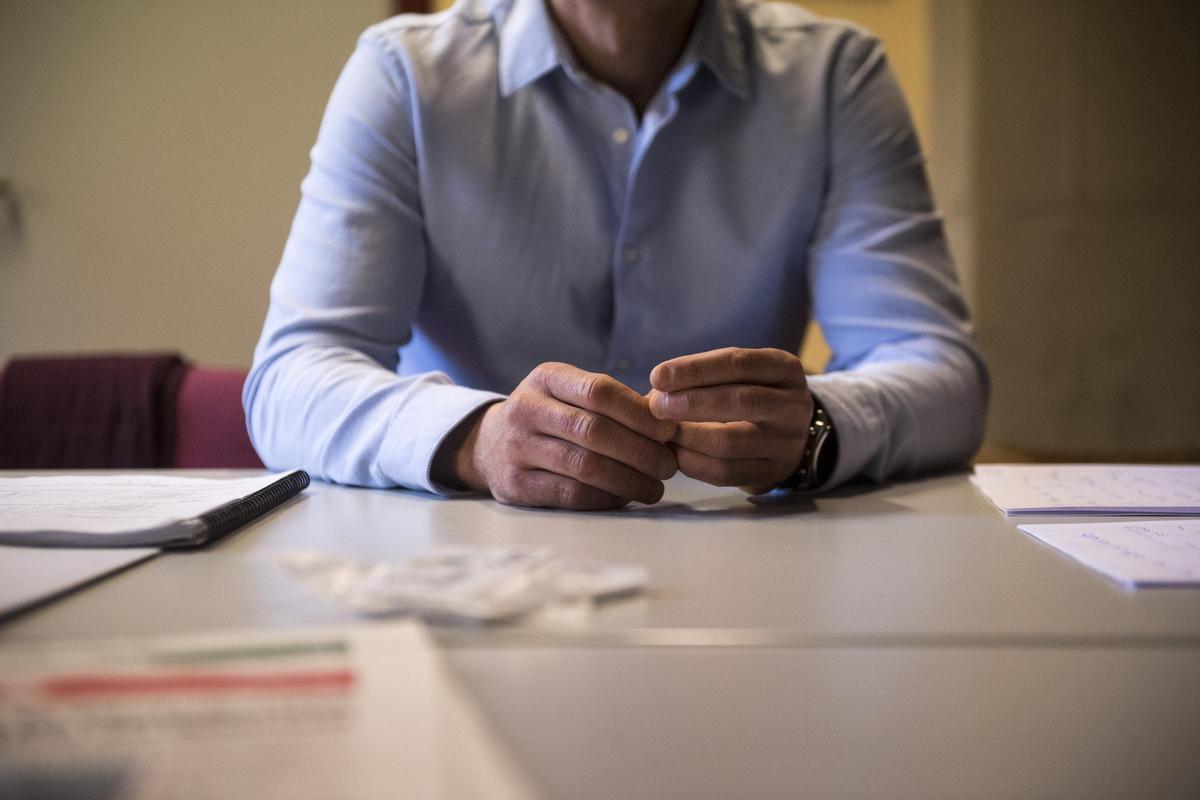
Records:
x=76, y=686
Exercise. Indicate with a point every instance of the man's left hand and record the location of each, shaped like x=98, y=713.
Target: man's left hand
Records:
x=743, y=414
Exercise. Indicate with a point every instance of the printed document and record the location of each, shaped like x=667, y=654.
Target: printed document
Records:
x=1090, y=488
x=107, y=509
x=367, y=712
x=1152, y=553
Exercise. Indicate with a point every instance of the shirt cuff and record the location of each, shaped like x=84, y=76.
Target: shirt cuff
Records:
x=858, y=431
x=419, y=427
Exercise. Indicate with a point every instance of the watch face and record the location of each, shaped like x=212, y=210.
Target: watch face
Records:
x=820, y=454
x=824, y=452
x=820, y=465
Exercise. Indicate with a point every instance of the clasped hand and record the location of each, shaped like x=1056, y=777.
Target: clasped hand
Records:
x=567, y=438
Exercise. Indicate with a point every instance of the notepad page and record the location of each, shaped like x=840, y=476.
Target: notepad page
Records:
x=1153, y=553
x=1090, y=488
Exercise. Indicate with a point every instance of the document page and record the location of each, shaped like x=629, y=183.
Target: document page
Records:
x=1090, y=488
x=1157, y=553
x=366, y=712
x=113, y=504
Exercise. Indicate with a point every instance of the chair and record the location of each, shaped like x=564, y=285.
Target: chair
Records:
x=210, y=426
x=122, y=411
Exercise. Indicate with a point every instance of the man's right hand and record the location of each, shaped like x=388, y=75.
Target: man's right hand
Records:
x=565, y=438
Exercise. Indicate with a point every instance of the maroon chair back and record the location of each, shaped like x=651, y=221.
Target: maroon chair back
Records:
x=89, y=410
x=210, y=426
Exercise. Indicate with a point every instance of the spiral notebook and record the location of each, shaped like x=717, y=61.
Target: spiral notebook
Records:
x=137, y=509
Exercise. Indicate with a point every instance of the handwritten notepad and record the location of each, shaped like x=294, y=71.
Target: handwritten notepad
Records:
x=1090, y=488
x=1158, y=553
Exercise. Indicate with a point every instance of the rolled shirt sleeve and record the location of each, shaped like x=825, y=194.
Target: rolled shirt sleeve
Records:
x=905, y=388
x=323, y=392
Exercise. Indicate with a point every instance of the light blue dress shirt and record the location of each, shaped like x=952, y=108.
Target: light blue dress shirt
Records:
x=478, y=205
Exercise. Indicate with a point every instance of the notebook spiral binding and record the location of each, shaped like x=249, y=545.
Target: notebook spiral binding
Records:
x=231, y=516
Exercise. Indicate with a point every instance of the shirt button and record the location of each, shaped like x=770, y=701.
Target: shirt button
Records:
x=624, y=364
x=620, y=135
x=630, y=255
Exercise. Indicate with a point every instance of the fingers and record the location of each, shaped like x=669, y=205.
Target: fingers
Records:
x=742, y=414
x=765, y=366
x=778, y=406
x=544, y=489
x=571, y=439
x=727, y=471
x=601, y=435
x=592, y=469
x=600, y=414
x=733, y=440
x=602, y=394
x=546, y=471
x=742, y=454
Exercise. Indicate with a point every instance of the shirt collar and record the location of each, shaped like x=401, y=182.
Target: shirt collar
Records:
x=529, y=46
x=528, y=49
x=720, y=46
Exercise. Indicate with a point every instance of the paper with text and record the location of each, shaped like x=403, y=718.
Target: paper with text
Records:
x=316, y=714
x=1090, y=488
x=1157, y=553
x=108, y=504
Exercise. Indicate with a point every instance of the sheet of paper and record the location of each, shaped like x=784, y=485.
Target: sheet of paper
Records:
x=108, y=503
x=366, y=712
x=1151, y=553
x=1090, y=488
x=29, y=575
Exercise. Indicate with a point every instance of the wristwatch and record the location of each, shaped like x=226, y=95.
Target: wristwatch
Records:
x=820, y=453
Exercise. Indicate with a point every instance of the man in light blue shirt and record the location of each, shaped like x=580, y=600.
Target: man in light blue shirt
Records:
x=556, y=250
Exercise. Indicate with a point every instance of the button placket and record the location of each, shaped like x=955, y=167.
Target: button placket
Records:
x=625, y=142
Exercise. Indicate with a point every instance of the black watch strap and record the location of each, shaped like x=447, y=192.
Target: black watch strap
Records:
x=820, y=452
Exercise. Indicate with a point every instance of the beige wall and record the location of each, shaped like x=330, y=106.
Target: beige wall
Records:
x=1083, y=177
x=155, y=149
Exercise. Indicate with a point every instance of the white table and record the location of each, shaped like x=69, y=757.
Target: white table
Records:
x=890, y=642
